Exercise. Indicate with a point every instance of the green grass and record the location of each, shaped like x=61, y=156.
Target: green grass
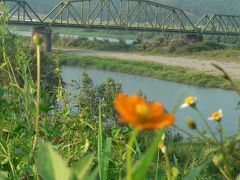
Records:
x=229, y=55
x=226, y=55
x=148, y=69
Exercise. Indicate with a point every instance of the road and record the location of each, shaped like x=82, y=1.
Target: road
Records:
x=232, y=68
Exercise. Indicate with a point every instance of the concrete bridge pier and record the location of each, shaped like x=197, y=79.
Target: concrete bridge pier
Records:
x=46, y=33
x=192, y=38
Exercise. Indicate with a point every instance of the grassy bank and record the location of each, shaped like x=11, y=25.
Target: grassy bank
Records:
x=148, y=69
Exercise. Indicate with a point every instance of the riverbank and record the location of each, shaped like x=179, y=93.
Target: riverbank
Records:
x=154, y=45
x=193, y=64
x=147, y=69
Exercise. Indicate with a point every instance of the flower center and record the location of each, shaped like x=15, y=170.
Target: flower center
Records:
x=143, y=111
x=217, y=116
x=190, y=100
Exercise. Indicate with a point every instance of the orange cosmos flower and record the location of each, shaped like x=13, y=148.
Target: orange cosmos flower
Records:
x=134, y=110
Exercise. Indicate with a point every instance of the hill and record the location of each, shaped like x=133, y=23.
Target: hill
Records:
x=201, y=7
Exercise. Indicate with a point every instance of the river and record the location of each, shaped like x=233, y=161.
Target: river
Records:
x=168, y=93
x=90, y=38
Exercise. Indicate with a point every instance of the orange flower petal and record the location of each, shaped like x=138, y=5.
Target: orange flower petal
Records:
x=135, y=111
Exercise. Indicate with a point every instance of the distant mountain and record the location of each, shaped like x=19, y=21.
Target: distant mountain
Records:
x=43, y=6
x=200, y=7
x=195, y=8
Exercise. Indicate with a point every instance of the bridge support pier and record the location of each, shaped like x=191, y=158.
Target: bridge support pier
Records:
x=192, y=38
x=46, y=33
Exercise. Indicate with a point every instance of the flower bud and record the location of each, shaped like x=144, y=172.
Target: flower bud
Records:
x=217, y=160
x=191, y=124
x=37, y=39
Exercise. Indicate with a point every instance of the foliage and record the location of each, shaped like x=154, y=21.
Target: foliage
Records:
x=85, y=43
x=204, y=46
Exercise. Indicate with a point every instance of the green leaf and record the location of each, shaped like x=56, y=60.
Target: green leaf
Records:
x=93, y=175
x=2, y=65
x=106, y=158
x=50, y=164
x=238, y=178
x=100, y=142
x=1, y=92
x=46, y=107
x=141, y=168
x=83, y=166
x=3, y=175
x=138, y=148
x=195, y=171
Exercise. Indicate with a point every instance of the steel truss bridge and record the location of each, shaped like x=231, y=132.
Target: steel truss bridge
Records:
x=139, y=15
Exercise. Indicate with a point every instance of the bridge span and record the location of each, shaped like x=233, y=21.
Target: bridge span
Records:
x=136, y=15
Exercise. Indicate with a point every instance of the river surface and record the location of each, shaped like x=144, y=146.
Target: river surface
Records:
x=168, y=93
x=114, y=40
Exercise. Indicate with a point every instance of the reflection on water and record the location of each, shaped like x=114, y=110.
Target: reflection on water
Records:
x=209, y=99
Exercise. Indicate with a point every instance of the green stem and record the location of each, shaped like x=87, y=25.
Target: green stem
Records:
x=38, y=91
x=220, y=133
x=158, y=158
x=11, y=75
x=37, y=104
x=201, y=135
x=183, y=131
x=129, y=153
x=223, y=173
x=168, y=167
x=228, y=171
x=206, y=123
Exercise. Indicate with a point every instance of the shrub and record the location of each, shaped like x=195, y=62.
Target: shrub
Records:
x=204, y=46
x=175, y=43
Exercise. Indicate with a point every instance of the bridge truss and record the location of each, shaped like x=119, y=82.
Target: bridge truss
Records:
x=219, y=24
x=140, y=15
x=21, y=11
x=122, y=14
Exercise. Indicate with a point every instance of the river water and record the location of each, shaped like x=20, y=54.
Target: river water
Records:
x=114, y=40
x=209, y=99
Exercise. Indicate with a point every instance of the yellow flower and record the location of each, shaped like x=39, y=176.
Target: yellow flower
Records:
x=161, y=145
x=134, y=110
x=216, y=116
x=189, y=101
